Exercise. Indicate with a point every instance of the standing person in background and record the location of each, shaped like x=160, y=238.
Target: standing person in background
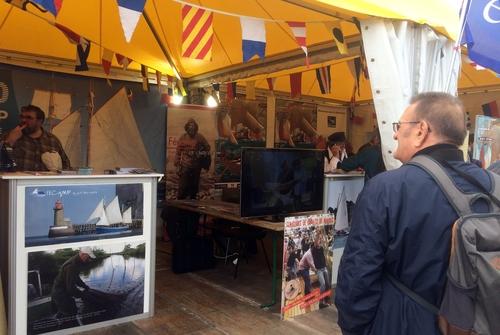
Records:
x=335, y=151
x=192, y=155
x=33, y=148
x=402, y=226
x=369, y=158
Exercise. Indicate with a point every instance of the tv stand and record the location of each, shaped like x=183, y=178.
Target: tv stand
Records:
x=274, y=218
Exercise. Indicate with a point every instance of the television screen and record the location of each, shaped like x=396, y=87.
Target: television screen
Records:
x=280, y=181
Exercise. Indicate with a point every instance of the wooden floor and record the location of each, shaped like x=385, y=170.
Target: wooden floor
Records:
x=212, y=302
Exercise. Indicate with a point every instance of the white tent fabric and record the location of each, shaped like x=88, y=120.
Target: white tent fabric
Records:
x=405, y=59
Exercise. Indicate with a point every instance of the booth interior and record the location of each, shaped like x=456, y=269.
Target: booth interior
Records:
x=222, y=208
x=230, y=231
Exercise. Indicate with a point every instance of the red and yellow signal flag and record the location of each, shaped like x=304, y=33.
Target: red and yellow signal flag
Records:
x=197, y=33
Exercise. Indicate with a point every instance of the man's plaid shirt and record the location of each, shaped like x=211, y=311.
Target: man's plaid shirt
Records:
x=27, y=152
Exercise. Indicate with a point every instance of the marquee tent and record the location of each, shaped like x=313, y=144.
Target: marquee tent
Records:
x=30, y=38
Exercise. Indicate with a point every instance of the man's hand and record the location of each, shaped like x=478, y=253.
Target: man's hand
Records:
x=15, y=134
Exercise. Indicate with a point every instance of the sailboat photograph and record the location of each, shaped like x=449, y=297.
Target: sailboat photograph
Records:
x=110, y=219
x=71, y=213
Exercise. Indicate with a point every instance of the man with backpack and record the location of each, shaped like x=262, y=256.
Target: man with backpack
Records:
x=394, y=267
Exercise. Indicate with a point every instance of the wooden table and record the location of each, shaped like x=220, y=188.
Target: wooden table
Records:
x=231, y=212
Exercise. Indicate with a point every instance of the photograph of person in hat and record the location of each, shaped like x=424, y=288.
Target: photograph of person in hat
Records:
x=335, y=151
x=68, y=285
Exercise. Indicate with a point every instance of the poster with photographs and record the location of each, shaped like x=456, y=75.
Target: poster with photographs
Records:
x=72, y=287
x=487, y=140
x=240, y=124
x=296, y=126
x=307, y=264
x=191, y=134
x=71, y=213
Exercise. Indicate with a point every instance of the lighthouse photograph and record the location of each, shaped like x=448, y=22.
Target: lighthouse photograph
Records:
x=71, y=213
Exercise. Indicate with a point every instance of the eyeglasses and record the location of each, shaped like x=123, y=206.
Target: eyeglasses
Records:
x=397, y=125
x=27, y=117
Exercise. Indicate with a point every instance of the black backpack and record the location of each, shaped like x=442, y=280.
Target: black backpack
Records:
x=471, y=300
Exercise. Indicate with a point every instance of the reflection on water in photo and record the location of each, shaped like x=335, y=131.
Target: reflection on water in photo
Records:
x=116, y=290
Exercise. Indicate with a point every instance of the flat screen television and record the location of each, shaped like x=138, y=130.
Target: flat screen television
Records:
x=278, y=182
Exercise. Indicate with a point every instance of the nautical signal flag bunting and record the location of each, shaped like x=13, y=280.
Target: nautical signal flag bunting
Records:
x=197, y=33
x=130, y=13
x=253, y=34
x=52, y=6
x=299, y=32
x=324, y=79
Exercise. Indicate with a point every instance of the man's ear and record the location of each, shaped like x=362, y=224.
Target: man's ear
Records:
x=422, y=133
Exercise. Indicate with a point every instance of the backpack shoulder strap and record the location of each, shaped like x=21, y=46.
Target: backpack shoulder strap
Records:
x=495, y=182
x=460, y=201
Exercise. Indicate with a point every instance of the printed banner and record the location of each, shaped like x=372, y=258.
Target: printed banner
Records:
x=71, y=213
x=307, y=264
x=240, y=124
x=191, y=134
x=9, y=114
x=107, y=282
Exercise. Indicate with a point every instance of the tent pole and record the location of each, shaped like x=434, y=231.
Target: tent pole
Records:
x=90, y=106
x=162, y=47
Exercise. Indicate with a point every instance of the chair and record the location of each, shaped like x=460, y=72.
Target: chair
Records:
x=244, y=235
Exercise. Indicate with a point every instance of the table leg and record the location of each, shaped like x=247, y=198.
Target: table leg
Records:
x=274, y=272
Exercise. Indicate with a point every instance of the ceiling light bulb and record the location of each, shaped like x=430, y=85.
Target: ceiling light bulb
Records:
x=177, y=99
x=211, y=102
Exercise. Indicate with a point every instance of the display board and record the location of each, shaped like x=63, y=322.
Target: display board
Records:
x=307, y=264
x=81, y=253
x=486, y=140
x=190, y=159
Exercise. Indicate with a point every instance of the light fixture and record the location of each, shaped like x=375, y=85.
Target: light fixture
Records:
x=211, y=101
x=177, y=99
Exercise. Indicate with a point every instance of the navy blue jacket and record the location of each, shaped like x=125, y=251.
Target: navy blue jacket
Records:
x=401, y=224
x=369, y=158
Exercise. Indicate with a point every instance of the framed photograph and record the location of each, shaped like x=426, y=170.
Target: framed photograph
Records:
x=332, y=121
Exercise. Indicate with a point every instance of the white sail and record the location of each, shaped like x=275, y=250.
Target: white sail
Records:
x=341, y=220
x=68, y=132
x=115, y=140
x=58, y=103
x=100, y=214
x=113, y=211
x=127, y=215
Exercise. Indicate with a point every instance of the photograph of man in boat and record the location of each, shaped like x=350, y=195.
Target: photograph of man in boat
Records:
x=72, y=213
x=72, y=287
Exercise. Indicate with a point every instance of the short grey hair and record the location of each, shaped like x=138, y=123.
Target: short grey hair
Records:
x=444, y=113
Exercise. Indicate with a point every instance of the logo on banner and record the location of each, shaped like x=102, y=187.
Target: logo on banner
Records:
x=489, y=9
x=8, y=104
x=4, y=95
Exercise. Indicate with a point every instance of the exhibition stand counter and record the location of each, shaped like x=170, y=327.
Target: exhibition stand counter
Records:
x=77, y=251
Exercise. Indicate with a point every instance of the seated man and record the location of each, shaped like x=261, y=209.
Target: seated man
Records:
x=30, y=142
